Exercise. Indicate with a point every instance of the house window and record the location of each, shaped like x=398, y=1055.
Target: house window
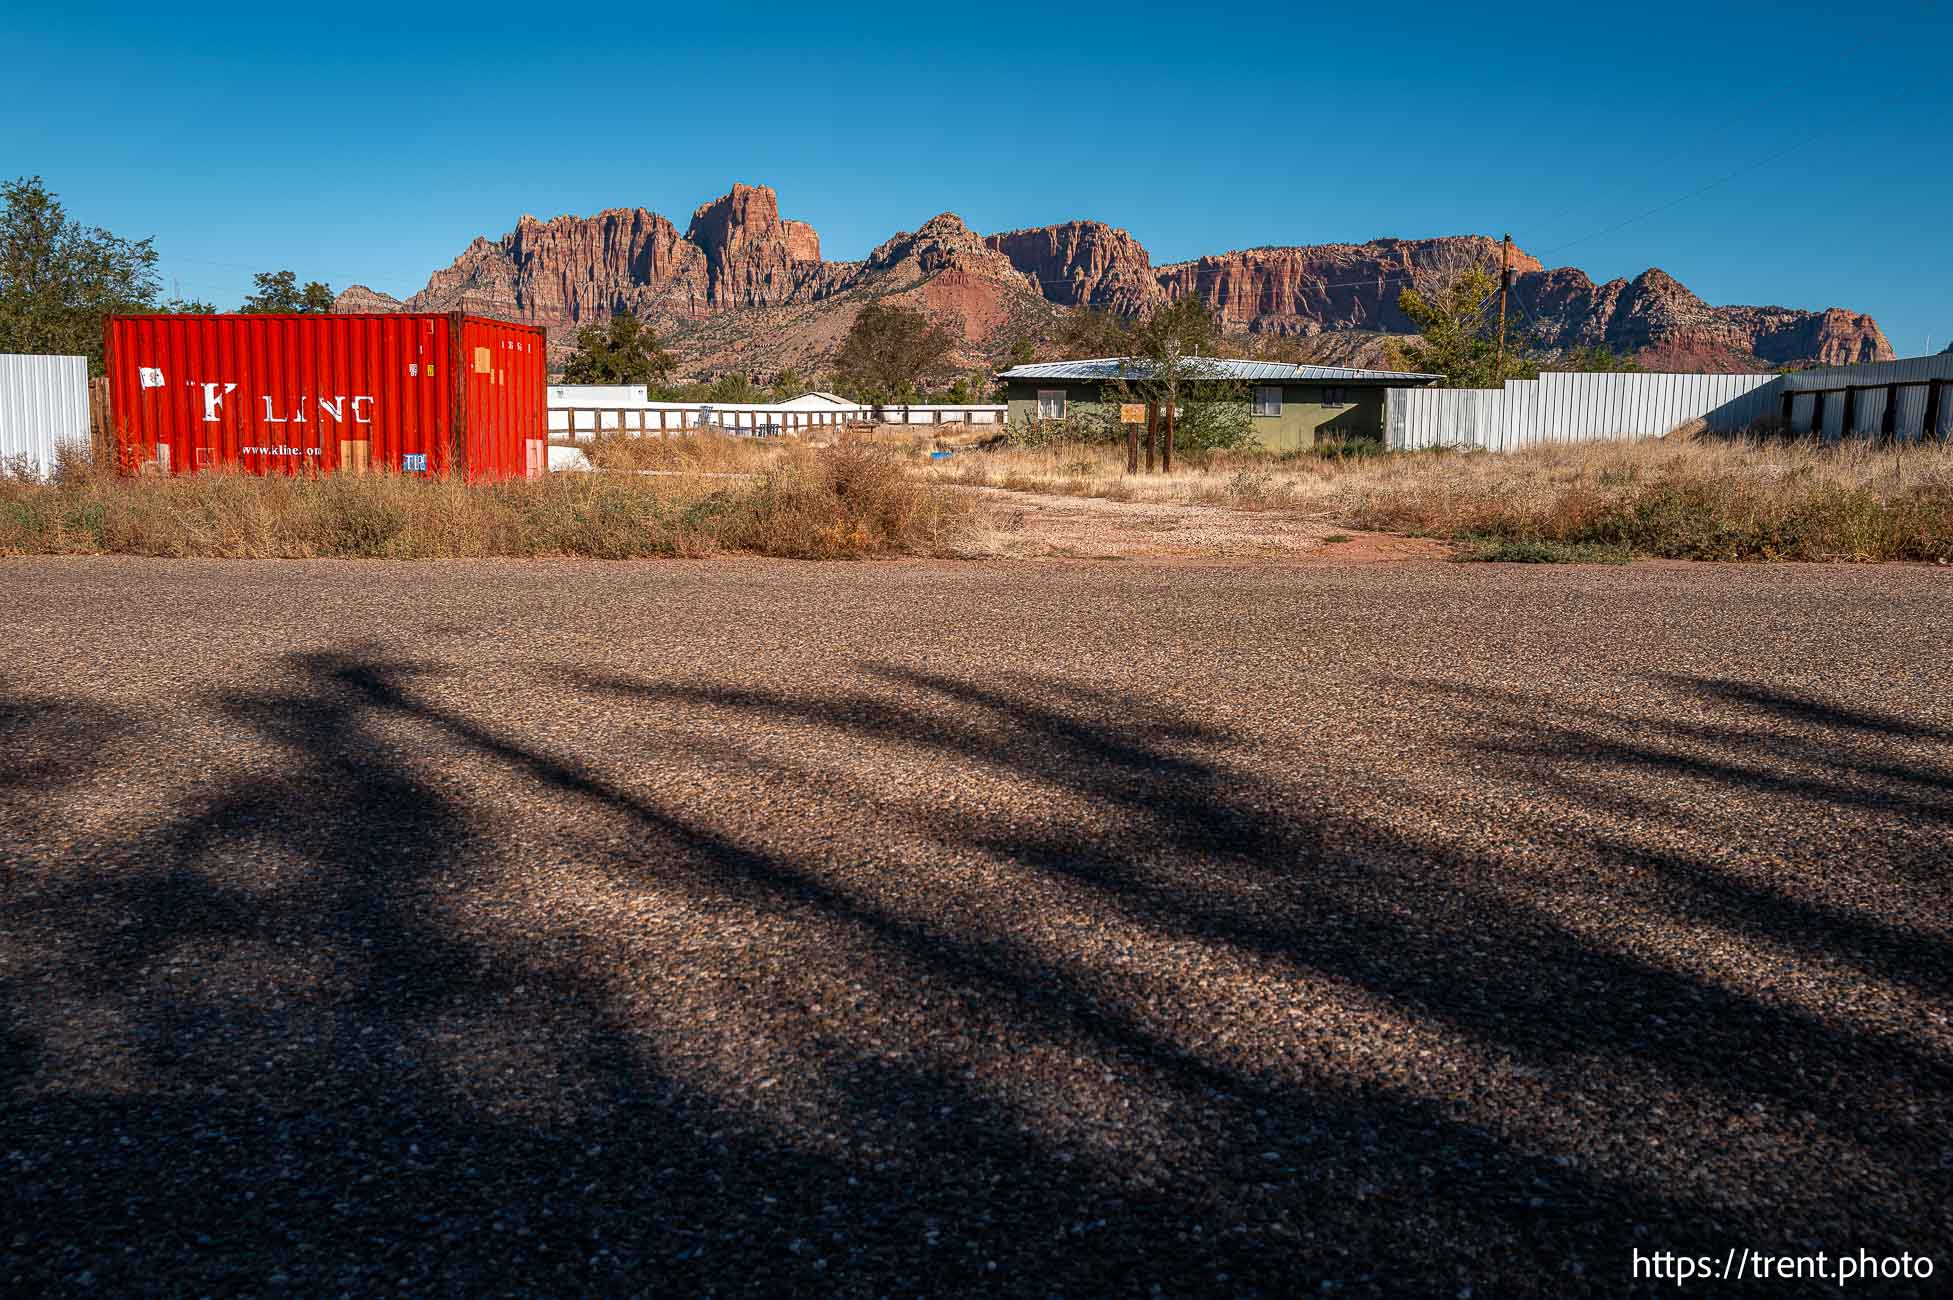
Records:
x=1051, y=403
x=1334, y=397
x=1268, y=401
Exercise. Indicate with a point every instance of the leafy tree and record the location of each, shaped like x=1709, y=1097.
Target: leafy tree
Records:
x=891, y=352
x=58, y=277
x=1091, y=332
x=1458, y=330
x=1598, y=359
x=735, y=387
x=622, y=350
x=788, y=385
x=1022, y=353
x=189, y=307
x=279, y=291
x=968, y=390
x=1169, y=360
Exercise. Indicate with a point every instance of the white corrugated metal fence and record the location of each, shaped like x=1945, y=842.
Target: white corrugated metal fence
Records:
x=43, y=403
x=1896, y=399
x=1564, y=408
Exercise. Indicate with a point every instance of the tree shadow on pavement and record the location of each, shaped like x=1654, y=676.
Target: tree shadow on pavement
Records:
x=316, y=1032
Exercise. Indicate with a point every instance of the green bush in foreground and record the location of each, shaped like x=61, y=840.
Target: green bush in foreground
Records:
x=1538, y=552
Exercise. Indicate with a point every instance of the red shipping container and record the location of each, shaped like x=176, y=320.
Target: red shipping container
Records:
x=410, y=393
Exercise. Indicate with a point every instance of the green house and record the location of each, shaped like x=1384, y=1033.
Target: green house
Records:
x=1290, y=405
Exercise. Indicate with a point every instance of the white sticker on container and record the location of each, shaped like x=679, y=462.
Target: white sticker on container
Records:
x=152, y=377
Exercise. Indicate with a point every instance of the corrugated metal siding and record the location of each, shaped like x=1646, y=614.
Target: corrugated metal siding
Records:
x=1868, y=412
x=1907, y=370
x=315, y=393
x=282, y=394
x=506, y=370
x=1567, y=408
x=1803, y=412
x=1833, y=426
x=43, y=404
x=1909, y=421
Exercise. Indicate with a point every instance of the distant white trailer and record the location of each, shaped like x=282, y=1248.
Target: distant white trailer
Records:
x=609, y=395
x=43, y=405
x=576, y=419
x=585, y=410
x=940, y=413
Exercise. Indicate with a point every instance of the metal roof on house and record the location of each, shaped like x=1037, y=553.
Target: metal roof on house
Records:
x=1212, y=368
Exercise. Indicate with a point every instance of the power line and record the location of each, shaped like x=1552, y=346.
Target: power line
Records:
x=1788, y=89
x=1922, y=84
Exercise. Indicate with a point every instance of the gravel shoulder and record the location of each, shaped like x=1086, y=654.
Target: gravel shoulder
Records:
x=760, y=928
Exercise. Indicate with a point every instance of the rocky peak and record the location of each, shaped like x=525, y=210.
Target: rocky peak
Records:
x=749, y=217
x=942, y=236
x=1652, y=306
x=753, y=258
x=1083, y=263
x=357, y=299
x=1657, y=283
x=944, y=243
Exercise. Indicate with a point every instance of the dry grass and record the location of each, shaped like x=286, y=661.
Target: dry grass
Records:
x=846, y=502
x=696, y=453
x=1697, y=498
x=912, y=438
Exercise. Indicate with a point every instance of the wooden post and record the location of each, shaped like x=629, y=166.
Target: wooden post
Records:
x=1889, y=423
x=1930, y=429
x=101, y=429
x=1166, y=462
x=1152, y=432
x=1132, y=449
x=1848, y=425
x=1505, y=283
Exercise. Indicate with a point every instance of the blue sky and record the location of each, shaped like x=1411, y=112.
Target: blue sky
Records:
x=370, y=143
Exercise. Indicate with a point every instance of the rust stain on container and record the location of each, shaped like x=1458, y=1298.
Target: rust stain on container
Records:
x=323, y=393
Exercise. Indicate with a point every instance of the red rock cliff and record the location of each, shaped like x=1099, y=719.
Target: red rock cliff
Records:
x=1084, y=263
x=1316, y=287
x=737, y=253
x=751, y=285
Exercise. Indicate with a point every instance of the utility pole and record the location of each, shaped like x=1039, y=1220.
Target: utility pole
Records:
x=1505, y=284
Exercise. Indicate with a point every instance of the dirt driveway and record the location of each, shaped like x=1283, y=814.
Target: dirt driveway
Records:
x=1035, y=525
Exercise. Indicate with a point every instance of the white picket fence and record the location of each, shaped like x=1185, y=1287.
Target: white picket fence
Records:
x=1557, y=408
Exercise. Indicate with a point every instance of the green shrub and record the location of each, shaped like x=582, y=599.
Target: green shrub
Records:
x=1510, y=551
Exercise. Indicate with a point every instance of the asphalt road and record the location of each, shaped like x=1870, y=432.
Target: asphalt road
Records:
x=894, y=929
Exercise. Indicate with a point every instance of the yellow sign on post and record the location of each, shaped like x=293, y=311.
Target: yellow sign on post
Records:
x=1132, y=412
